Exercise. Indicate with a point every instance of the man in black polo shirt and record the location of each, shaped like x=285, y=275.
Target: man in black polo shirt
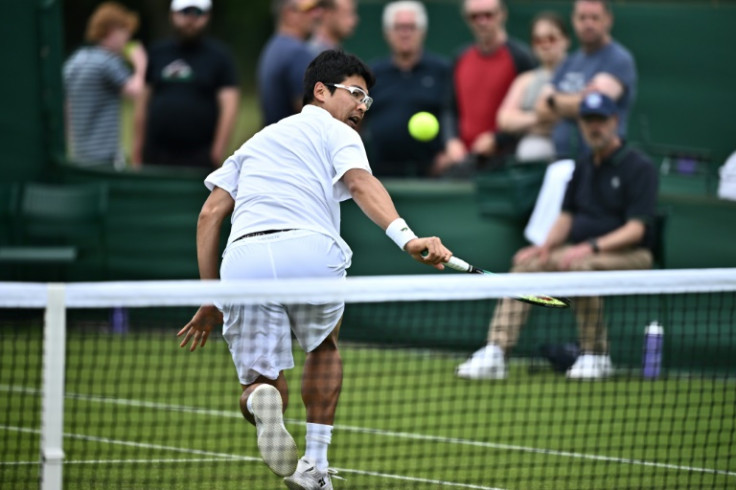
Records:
x=188, y=110
x=605, y=224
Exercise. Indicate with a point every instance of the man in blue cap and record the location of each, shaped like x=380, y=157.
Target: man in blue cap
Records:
x=605, y=224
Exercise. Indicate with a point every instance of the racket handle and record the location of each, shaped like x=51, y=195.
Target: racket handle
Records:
x=459, y=264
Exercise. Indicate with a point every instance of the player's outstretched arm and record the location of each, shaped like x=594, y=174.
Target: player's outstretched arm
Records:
x=376, y=203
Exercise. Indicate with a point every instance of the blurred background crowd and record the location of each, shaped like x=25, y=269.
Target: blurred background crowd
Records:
x=480, y=66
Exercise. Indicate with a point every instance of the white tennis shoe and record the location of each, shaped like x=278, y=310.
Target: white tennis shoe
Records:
x=591, y=366
x=276, y=445
x=485, y=363
x=308, y=477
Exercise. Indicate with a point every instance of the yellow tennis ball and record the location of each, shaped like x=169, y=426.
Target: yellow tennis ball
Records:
x=423, y=126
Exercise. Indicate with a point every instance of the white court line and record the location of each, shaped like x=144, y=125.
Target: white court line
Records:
x=218, y=457
x=385, y=433
x=118, y=461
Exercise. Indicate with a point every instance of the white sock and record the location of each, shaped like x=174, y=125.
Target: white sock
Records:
x=318, y=438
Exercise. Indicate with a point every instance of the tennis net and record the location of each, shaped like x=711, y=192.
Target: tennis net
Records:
x=97, y=394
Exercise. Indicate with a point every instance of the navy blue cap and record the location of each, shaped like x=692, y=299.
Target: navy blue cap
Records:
x=597, y=104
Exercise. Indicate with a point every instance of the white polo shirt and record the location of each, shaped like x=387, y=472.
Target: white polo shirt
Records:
x=287, y=176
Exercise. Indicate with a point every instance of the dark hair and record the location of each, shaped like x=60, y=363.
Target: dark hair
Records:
x=553, y=18
x=334, y=66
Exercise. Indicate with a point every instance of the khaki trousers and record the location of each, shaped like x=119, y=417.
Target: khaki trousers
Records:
x=510, y=315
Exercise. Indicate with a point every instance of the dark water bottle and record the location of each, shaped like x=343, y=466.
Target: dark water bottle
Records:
x=653, y=341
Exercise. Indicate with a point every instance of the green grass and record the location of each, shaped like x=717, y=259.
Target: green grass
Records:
x=140, y=413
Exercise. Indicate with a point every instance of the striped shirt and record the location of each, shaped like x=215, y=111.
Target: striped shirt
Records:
x=93, y=79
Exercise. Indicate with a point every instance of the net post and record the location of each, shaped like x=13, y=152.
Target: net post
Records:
x=52, y=404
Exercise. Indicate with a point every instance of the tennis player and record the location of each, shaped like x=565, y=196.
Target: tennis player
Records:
x=283, y=188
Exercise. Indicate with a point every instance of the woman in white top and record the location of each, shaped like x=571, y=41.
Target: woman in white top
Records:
x=550, y=42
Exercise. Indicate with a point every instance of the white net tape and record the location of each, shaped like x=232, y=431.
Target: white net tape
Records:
x=451, y=286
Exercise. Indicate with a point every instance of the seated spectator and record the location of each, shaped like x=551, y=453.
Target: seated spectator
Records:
x=606, y=223
x=410, y=80
x=550, y=41
x=96, y=77
x=481, y=76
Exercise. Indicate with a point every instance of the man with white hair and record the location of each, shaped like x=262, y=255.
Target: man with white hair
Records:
x=410, y=80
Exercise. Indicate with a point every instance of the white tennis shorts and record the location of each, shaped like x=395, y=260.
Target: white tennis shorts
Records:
x=259, y=336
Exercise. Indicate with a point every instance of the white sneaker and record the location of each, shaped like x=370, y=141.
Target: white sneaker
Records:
x=485, y=363
x=276, y=445
x=308, y=477
x=591, y=366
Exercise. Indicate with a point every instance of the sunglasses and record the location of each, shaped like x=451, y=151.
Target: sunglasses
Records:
x=358, y=94
x=476, y=16
x=548, y=39
x=193, y=11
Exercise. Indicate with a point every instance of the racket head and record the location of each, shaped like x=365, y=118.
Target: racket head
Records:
x=538, y=300
x=545, y=301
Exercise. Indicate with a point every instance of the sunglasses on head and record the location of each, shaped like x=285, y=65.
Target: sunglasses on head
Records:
x=193, y=11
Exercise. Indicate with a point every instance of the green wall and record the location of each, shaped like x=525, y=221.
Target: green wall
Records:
x=151, y=224
x=30, y=114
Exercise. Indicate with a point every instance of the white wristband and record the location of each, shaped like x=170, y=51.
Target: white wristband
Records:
x=400, y=233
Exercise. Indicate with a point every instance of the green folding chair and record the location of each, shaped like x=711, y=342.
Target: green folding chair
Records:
x=60, y=233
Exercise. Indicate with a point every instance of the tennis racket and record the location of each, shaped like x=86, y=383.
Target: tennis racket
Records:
x=546, y=301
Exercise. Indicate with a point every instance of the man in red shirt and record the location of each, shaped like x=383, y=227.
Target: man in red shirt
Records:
x=481, y=77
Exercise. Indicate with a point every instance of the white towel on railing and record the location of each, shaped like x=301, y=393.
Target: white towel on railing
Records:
x=549, y=201
x=727, y=184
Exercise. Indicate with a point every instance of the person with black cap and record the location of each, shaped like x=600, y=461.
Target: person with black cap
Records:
x=606, y=223
x=188, y=110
